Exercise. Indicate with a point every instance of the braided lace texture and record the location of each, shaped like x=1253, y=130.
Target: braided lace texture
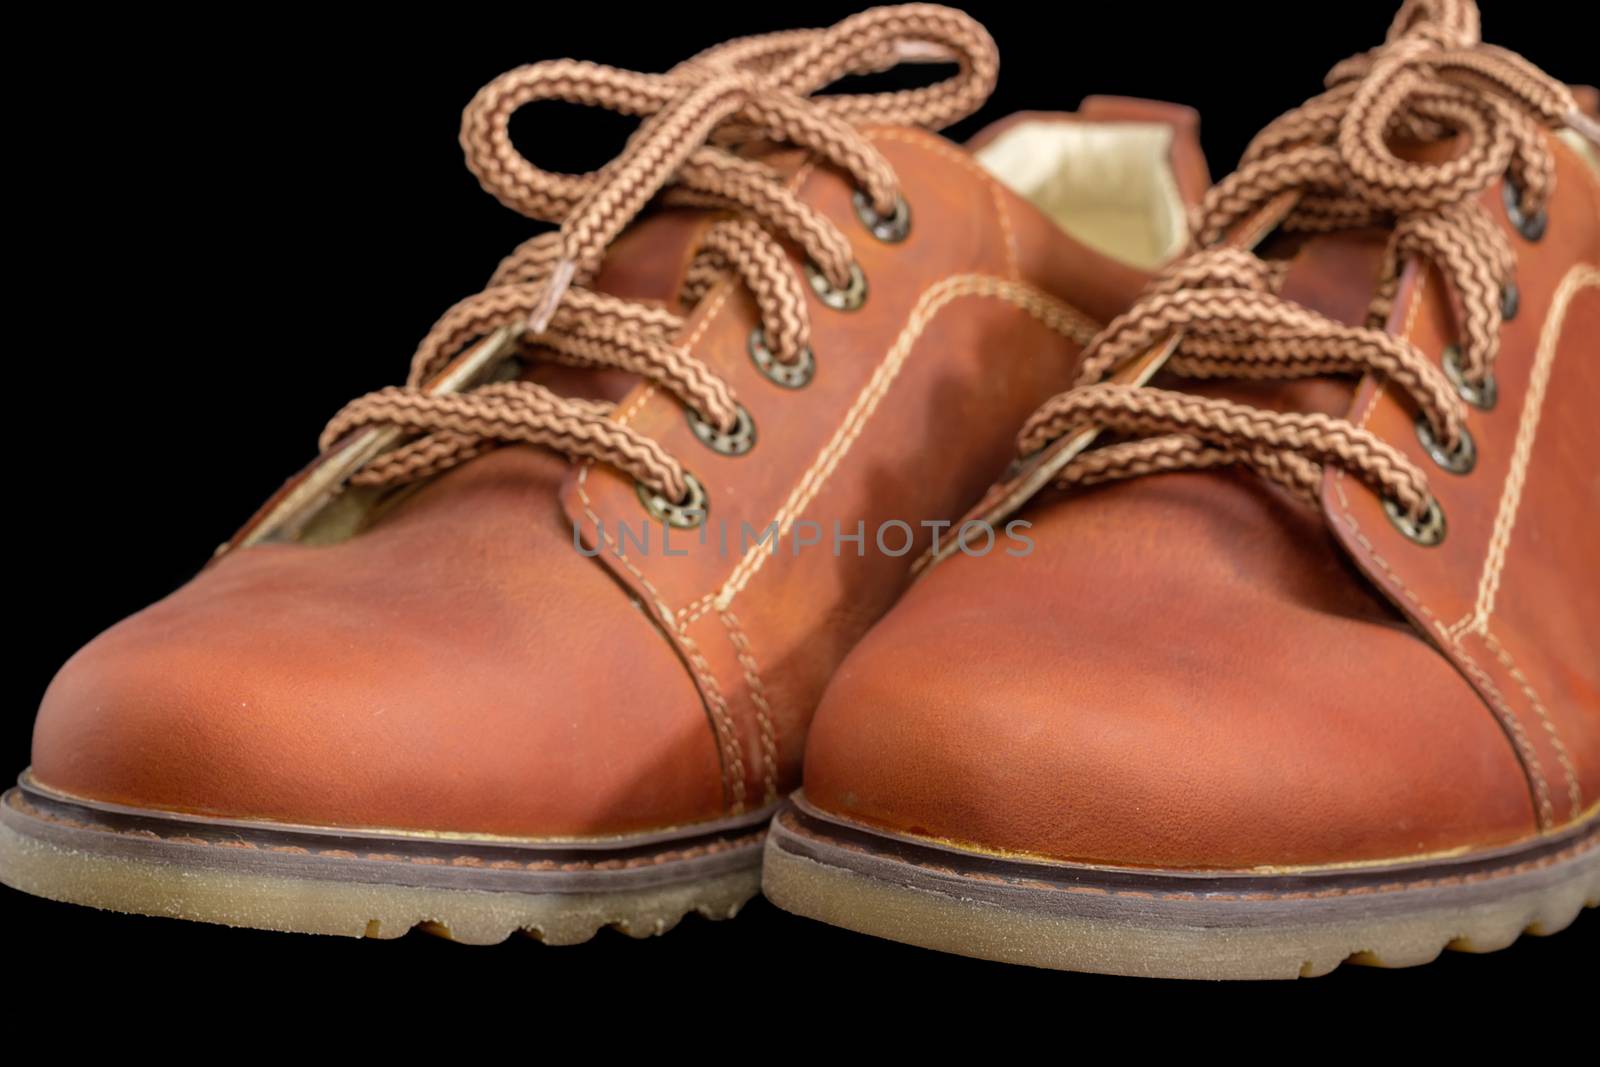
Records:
x=683, y=154
x=1432, y=78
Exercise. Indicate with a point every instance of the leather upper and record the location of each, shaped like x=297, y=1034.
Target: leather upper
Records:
x=458, y=665
x=1509, y=595
x=443, y=670
x=1198, y=671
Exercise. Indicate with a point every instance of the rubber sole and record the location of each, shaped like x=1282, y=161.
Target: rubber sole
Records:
x=473, y=889
x=1173, y=924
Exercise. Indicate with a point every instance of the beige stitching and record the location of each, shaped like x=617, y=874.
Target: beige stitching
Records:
x=723, y=726
x=1572, y=851
x=703, y=670
x=1383, y=564
x=1574, y=790
x=629, y=412
x=933, y=144
x=1547, y=811
x=1338, y=476
x=654, y=859
x=1502, y=710
x=1012, y=265
x=625, y=416
x=1411, y=323
x=758, y=696
x=1578, y=278
x=722, y=721
x=692, y=611
x=733, y=769
x=997, y=192
x=1013, y=269
x=1048, y=310
x=1053, y=313
x=711, y=313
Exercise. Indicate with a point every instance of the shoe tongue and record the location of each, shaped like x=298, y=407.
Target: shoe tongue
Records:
x=649, y=260
x=647, y=263
x=1333, y=274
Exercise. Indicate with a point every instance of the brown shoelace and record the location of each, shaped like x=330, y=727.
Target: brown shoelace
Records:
x=757, y=88
x=1432, y=78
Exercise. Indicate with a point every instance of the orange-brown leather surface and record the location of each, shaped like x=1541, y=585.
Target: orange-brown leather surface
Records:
x=914, y=440
x=460, y=667
x=440, y=671
x=1191, y=671
x=1510, y=593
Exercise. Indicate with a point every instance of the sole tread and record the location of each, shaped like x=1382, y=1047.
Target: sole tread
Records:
x=275, y=900
x=1192, y=934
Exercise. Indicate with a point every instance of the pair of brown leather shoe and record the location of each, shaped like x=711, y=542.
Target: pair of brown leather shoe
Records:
x=1139, y=575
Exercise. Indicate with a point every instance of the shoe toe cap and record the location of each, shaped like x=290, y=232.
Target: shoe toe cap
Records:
x=1160, y=712
x=294, y=685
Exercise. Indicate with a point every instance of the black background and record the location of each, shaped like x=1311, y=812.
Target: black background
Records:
x=223, y=227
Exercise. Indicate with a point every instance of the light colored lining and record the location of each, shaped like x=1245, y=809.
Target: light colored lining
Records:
x=1585, y=149
x=1110, y=185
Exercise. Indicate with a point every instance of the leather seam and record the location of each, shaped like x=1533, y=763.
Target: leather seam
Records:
x=990, y=183
x=1547, y=811
x=653, y=860
x=723, y=725
x=758, y=696
x=1578, y=278
x=1013, y=264
x=678, y=622
x=1053, y=313
x=1574, y=789
x=1508, y=718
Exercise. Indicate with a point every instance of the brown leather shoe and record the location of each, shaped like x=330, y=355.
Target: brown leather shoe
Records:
x=1324, y=682
x=425, y=685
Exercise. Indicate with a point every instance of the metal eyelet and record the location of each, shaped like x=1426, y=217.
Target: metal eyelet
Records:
x=1531, y=227
x=846, y=299
x=1459, y=460
x=1510, y=301
x=1481, y=395
x=890, y=229
x=734, y=442
x=796, y=375
x=685, y=514
x=1426, y=531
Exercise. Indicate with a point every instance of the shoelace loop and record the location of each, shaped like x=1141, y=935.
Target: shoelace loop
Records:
x=683, y=154
x=1432, y=79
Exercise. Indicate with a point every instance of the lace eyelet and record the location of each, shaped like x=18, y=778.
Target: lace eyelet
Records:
x=1459, y=460
x=1531, y=227
x=686, y=514
x=890, y=229
x=1426, y=531
x=796, y=375
x=1481, y=395
x=1510, y=301
x=846, y=299
x=734, y=442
